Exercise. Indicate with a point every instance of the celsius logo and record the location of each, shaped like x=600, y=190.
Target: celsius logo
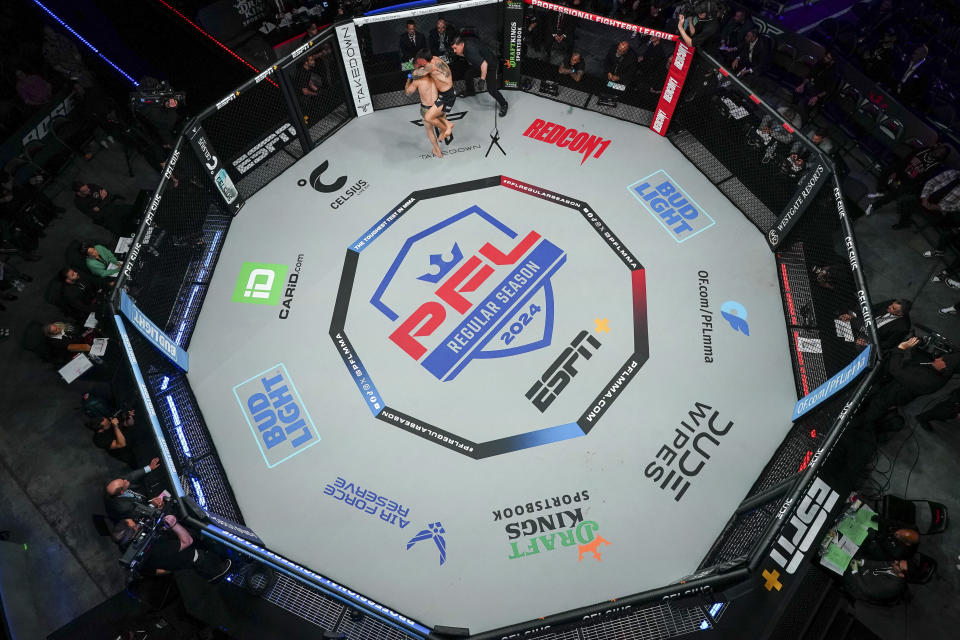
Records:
x=259, y=283
x=320, y=185
x=736, y=314
x=469, y=287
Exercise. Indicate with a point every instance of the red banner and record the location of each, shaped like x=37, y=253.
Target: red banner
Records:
x=583, y=15
x=677, y=75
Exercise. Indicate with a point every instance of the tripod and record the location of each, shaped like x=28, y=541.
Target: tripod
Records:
x=495, y=135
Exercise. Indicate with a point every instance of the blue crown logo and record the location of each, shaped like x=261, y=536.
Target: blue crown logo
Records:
x=443, y=266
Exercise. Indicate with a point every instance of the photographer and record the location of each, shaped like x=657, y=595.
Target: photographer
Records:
x=113, y=435
x=164, y=119
x=699, y=29
x=172, y=549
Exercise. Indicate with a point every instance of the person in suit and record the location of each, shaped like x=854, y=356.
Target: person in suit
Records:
x=560, y=28
x=892, y=318
x=123, y=497
x=411, y=41
x=753, y=57
x=441, y=38
x=913, y=76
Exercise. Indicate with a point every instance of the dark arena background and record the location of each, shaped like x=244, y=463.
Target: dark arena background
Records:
x=588, y=375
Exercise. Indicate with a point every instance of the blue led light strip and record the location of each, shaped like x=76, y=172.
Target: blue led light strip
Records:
x=84, y=41
x=398, y=7
x=169, y=467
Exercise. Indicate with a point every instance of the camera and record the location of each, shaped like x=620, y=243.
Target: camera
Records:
x=154, y=92
x=934, y=343
x=150, y=525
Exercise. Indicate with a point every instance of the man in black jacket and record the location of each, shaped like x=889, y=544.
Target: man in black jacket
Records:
x=910, y=378
x=411, y=41
x=892, y=318
x=481, y=60
x=80, y=293
x=441, y=39
x=620, y=65
x=124, y=497
x=172, y=550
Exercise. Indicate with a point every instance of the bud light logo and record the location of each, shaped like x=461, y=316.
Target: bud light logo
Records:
x=278, y=419
x=469, y=287
x=671, y=206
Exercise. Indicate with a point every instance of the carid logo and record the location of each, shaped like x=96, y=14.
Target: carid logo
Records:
x=676, y=211
x=469, y=287
x=259, y=283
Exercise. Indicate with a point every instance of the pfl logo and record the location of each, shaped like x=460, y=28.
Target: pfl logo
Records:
x=259, y=283
x=736, y=314
x=469, y=287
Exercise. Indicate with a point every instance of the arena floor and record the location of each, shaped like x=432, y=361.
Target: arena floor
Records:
x=482, y=390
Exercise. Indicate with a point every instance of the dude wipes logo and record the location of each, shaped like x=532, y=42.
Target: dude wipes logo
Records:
x=680, y=460
x=578, y=141
x=545, y=525
x=278, y=419
x=469, y=287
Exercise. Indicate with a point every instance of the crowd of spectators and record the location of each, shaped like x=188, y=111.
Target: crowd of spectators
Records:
x=36, y=74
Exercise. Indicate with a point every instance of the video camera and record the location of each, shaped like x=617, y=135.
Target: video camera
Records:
x=933, y=342
x=150, y=522
x=153, y=92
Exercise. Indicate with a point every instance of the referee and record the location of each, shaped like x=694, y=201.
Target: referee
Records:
x=478, y=56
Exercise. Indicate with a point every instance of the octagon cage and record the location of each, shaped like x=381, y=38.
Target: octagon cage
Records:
x=236, y=147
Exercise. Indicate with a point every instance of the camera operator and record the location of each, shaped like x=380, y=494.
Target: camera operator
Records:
x=910, y=378
x=164, y=119
x=126, y=496
x=172, y=549
x=699, y=29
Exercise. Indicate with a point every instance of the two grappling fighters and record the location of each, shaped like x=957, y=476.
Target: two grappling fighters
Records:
x=433, y=79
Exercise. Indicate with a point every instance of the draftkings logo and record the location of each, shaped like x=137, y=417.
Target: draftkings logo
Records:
x=550, y=525
x=482, y=291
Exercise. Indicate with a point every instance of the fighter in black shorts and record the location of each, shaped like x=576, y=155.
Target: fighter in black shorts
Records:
x=434, y=66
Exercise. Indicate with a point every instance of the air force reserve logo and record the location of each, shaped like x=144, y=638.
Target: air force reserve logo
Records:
x=506, y=273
